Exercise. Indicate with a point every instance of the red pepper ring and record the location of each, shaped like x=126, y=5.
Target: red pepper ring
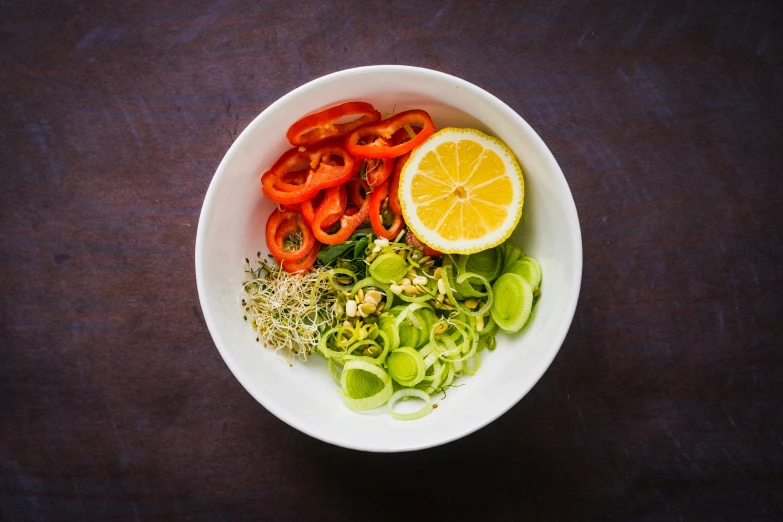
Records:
x=355, y=193
x=401, y=136
x=380, y=171
x=304, y=264
x=306, y=208
x=329, y=211
x=323, y=174
x=385, y=129
x=394, y=184
x=335, y=217
x=291, y=180
x=279, y=226
x=348, y=224
x=376, y=219
x=321, y=125
x=288, y=227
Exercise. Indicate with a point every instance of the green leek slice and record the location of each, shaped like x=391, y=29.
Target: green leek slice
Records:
x=448, y=284
x=334, y=352
x=388, y=325
x=335, y=370
x=511, y=253
x=528, y=268
x=465, y=289
x=414, y=323
x=430, y=357
x=487, y=295
x=374, y=283
x=450, y=372
x=361, y=345
x=487, y=263
x=490, y=327
x=470, y=371
x=513, y=302
x=447, y=348
x=433, y=378
x=410, y=392
x=388, y=268
x=365, y=386
x=406, y=366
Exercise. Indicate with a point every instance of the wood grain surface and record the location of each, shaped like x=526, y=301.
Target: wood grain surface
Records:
x=665, y=401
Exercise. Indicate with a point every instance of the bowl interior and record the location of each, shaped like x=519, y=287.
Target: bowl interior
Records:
x=231, y=228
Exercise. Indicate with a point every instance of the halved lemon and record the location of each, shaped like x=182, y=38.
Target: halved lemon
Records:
x=462, y=191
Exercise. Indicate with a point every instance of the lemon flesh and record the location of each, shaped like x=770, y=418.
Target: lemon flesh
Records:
x=462, y=191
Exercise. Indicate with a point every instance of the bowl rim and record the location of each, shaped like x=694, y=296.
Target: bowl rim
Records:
x=571, y=218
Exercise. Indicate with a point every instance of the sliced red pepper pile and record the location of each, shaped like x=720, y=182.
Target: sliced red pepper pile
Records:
x=324, y=171
x=381, y=132
x=322, y=125
x=281, y=228
x=317, y=184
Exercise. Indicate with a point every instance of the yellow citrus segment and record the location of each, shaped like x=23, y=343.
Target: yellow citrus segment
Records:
x=447, y=156
x=498, y=191
x=470, y=153
x=462, y=191
x=473, y=225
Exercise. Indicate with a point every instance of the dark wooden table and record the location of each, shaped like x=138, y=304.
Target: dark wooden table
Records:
x=665, y=400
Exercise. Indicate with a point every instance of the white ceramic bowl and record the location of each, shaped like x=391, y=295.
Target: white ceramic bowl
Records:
x=305, y=396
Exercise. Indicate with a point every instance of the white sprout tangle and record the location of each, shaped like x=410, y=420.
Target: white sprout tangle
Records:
x=288, y=311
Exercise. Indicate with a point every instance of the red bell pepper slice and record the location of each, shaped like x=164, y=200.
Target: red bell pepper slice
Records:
x=394, y=184
x=306, y=263
x=382, y=131
x=411, y=239
x=333, y=205
x=330, y=210
x=306, y=208
x=321, y=125
x=376, y=219
x=355, y=195
x=378, y=170
x=333, y=218
x=279, y=226
x=401, y=136
x=291, y=180
x=323, y=173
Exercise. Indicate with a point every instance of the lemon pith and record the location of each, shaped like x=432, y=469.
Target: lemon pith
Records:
x=462, y=191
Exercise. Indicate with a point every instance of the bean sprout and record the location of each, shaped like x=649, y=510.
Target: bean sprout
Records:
x=280, y=310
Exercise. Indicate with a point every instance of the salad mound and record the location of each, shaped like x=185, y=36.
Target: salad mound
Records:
x=395, y=318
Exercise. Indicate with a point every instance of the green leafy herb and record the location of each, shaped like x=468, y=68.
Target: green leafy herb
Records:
x=332, y=253
x=351, y=249
x=361, y=245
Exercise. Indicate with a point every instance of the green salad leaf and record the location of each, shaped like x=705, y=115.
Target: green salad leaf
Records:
x=351, y=249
